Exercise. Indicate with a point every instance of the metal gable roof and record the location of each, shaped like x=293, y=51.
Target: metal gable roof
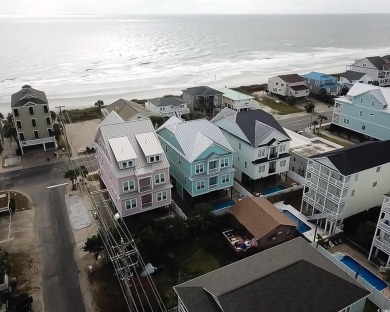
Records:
x=122, y=149
x=166, y=101
x=195, y=136
x=149, y=143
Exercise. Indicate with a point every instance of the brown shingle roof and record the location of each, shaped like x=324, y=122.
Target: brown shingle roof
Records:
x=127, y=109
x=259, y=216
x=291, y=78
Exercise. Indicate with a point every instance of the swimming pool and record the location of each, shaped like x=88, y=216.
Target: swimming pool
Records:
x=224, y=204
x=273, y=189
x=364, y=273
x=301, y=226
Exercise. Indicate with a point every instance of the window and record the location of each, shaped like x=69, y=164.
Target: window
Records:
x=225, y=178
x=282, y=84
x=282, y=163
x=48, y=121
x=353, y=193
x=276, y=83
x=245, y=164
x=159, y=178
x=364, y=64
x=199, y=168
x=36, y=134
x=386, y=237
x=179, y=160
x=282, y=148
x=185, y=180
x=261, y=152
x=161, y=195
x=378, y=169
x=151, y=159
x=33, y=122
x=16, y=112
x=361, y=100
x=19, y=124
x=360, y=113
x=238, y=158
x=45, y=109
x=372, y=103
x=31, y=110
x=128, y=186
x=374, y=184
x=200, y=185
x=224, y=162
x=371, y=114
x=239, y=145
x=356, y=176
x=346, y=121
x=124, y=165
x=296, y=93
x=21, y=136
x=157, y=157
x=131, y=203
x=261, y=169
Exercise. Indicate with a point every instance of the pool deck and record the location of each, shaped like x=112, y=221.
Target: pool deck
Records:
x=347, y=250
x=309, y=234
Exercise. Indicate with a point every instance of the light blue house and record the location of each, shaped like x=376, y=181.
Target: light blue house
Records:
x=365, y=110
x=200, y=157
x=317, y=81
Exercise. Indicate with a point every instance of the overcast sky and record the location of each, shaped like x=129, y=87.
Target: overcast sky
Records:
x=54, y=7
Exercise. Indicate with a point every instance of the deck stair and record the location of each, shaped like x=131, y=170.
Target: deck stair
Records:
x=338, y=255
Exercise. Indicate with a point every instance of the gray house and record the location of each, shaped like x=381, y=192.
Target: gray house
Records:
x=126, y=110
x=291, y=277
x=376, y=67
x=203, y=99
x=31, y=114
x=167, y=106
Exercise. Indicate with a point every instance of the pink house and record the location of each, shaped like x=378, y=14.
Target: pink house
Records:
x=132, y=165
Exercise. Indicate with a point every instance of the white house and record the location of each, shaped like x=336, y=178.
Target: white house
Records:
x=238, y=101
x=349, y=78
x=288, y=85
x=380, y=247
x=167, y=106
x=377, y=67
x=260, y=144
x=344, y=182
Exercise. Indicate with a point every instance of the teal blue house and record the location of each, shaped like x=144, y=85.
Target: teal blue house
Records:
x=200, y=157
x=364, y=110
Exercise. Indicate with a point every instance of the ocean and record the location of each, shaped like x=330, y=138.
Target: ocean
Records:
x=78, y=60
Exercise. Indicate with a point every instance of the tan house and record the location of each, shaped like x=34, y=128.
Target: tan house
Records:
x=127, y=110
x=31, y=114
x=262, y=221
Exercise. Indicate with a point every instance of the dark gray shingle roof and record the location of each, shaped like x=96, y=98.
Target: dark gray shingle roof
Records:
x=291, y=277
x=127, y=109
x=291, y=78
x=202, y=91
x=359, y=157
x=28, y=94
x=166, y=101
x=352, y=75
x=246, y=120
x=379, y=62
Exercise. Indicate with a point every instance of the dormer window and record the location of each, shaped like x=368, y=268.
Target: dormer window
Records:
x=127, y=164
x=153, y=159
x=31, y=110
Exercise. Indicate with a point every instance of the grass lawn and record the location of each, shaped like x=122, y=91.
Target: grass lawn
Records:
x=77, y=115
x=202, y=261
x=281, y=108
x=342, y=143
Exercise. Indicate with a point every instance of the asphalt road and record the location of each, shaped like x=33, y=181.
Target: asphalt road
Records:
x=60, y=280
x=299, y=123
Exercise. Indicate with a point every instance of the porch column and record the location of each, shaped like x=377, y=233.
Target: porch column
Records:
x=21, y=149
x=388, y=261
x=376, y=252
x=369, y=255
x=44, y=147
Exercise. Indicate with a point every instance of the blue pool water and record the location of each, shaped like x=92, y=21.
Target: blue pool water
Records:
x=273, y=189
x=224, y=204
x=301, y=226
x=364, y=273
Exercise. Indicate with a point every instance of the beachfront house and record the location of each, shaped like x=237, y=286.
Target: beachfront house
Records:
x=364, y=110
x=291, y=277
x=132, y=165
x=317, y=81
x=203, y=99
x=260, y=143
x=301, y=148
x=167, y=106
x=31, y=115
x=345, y=182
x=380, y=248
x=238, y=101
x=377, y=67
x=126, y=110
x=201, y=158
x=349, y=78
x=256, y=218
x=291, y=85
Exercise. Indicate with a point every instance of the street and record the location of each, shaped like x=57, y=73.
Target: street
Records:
x=53, y=234
x=299, y=123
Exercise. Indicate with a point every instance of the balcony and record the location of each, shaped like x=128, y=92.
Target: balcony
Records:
x=146, y=205
x=386, y=207
x=384, y=225
x=382, y=245
x=145, y=185
x=272, y=170
x=213, y=170
x=146, y=201
x=213, y=186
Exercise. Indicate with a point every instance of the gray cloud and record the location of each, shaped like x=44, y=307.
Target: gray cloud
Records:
x=49, y=7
